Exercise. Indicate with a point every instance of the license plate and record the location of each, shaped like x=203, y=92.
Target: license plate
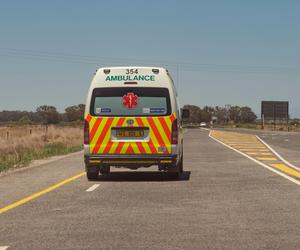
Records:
x=130, y=133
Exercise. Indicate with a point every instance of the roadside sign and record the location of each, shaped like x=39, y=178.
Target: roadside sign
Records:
x=274, y=111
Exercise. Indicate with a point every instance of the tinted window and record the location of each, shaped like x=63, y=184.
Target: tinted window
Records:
x=130, y=101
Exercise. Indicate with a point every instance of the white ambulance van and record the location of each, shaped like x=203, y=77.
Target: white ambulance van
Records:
x=132, y=120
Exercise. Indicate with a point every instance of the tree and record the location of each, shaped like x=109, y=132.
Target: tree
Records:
x=235, y=114
x=75, y=112
x=48, y=114
x=247, y=115
x=221, y=114
x=195, y=113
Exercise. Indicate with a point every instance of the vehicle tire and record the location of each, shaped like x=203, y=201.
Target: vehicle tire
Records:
x=105, y=170
x=92, y=173
x=92, y=176
x=176, y=172
x=180, y=165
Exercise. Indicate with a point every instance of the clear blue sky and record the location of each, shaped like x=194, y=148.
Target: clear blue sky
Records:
x=220, y=52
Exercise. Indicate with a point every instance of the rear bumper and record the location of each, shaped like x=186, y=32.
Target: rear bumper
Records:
x=125, y=160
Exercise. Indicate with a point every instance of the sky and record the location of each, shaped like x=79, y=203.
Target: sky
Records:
x=219, y=52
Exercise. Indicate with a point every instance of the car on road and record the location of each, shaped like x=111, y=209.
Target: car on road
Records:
x=203, y=124
x=132, y=120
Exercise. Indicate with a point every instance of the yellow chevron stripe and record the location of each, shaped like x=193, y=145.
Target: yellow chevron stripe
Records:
x=135, y=148
x=146, y=147
x=92, y=122
x=125, y=146
x=115, y=144
x=152, y=135
x=97, y=134
x=162, y=134
x=133, y=144
x=107, y=136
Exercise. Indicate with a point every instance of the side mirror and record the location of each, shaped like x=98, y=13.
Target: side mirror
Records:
x=185, y=114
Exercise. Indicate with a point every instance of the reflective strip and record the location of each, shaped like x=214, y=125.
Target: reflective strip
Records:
x=166, y=141
x=159, y=135
x=102, y=135
x=145, y=145
x=89, y=117
x=141, y=148
x=95, y=126
x=124, y=149
x=165, y=127
x=119, y=147
x=107, y=136
x=130, y=149
x=97, y=134
x=113, y=145
x=172, y=118
x=156, y=132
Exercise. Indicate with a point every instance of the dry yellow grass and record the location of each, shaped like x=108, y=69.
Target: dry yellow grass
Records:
x=18, y=141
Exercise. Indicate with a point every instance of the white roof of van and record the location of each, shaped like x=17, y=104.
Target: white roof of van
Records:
x=123, y=76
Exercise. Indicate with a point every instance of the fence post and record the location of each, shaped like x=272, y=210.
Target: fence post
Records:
x=7, y=135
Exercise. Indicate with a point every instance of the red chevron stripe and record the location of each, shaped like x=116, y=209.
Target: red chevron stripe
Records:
x=155, y=131
x=102, y=135
x=165, y=127
x=120, y=122
x=141, y=148
x=152, y=148
x=129, y=150
x=119, y=147
x=172, y=117
x=140, y=122
x=95, y=127
x=150, y=143
x=89, y=118
x=109, y=144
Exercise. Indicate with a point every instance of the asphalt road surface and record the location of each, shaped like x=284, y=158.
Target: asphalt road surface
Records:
x=286, y=143
x=223, y=200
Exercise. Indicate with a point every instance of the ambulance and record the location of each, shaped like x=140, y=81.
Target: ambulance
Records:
x=133, y=120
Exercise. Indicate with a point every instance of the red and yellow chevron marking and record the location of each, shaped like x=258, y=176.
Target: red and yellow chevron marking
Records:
x=159, y=135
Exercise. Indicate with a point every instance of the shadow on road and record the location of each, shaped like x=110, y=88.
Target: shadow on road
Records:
x=143, y=176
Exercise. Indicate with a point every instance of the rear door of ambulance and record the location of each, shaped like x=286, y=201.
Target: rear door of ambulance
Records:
x=129, y=119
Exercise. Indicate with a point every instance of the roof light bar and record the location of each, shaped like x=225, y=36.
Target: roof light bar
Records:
x=106, y=71
x=155, y=71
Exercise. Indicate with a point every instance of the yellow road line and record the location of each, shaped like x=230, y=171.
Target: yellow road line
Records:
x=266, y=158
x=258, y=153
x=286, y=169
x=258, y=150
x=44, y=191
x=247, y=144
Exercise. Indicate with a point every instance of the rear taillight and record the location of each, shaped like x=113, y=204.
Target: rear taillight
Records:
x=174, y=139
x=86, y=132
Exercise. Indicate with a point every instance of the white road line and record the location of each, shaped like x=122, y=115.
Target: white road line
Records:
x=278, y=155
x=3, y=247
x=207, y=129
x=90, y=189
x=185, y=130
x=258, y=162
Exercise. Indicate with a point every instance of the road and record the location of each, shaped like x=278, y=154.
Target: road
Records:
x=286, y=143
x=223, y=200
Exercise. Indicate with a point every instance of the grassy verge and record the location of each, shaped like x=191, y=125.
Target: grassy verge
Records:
x=23, y=159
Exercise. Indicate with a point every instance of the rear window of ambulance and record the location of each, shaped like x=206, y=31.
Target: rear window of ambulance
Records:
x=130, y=101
